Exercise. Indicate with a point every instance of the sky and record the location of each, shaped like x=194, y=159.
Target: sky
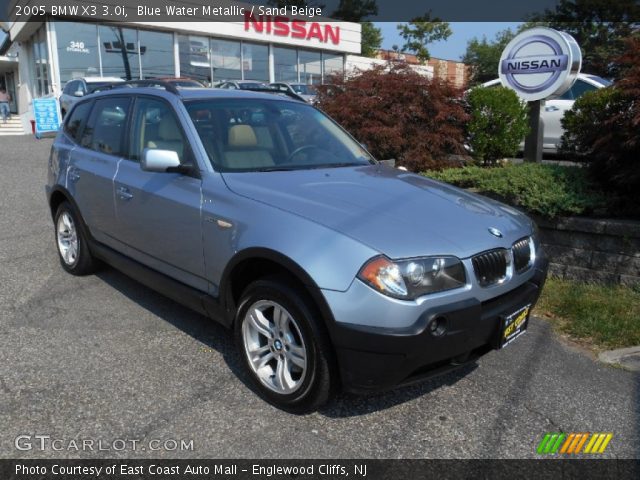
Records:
x=454, y=47
x=451, y=49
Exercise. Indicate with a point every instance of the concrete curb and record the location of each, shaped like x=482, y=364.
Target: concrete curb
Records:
x=629, y=358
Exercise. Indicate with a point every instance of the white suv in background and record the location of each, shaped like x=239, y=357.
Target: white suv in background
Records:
x=554, y=109
x=77, y=88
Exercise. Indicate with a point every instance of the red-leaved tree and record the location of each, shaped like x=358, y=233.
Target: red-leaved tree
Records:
x=398, y=113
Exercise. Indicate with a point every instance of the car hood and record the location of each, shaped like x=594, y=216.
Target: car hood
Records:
x=394, y=212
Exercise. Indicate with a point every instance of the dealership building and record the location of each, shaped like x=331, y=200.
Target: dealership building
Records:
x=39, y=57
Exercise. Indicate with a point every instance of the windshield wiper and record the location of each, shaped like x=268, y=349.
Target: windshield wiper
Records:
x=306, y=167
x=337, y=165
x=275, y=169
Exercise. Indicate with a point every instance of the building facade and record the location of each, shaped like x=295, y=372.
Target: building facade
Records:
x=456, y=73
x=53, y=51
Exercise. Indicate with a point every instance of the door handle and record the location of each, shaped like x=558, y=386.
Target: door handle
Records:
x=124, y=193
x=551, y=108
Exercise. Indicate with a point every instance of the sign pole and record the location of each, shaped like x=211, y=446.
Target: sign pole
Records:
x=537, y=64
x=533, y=140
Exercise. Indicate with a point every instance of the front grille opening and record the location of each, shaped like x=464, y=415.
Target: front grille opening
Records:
x=490, y=267
x=522, y=255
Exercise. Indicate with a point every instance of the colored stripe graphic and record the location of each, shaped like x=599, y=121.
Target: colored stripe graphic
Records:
x=573, y=443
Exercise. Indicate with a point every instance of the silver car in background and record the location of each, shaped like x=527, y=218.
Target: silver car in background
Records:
x=77, y=88
x=307, y=92
x=555, y=108
x=260, y=212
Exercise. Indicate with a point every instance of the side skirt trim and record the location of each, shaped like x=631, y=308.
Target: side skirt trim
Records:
x=188, y=296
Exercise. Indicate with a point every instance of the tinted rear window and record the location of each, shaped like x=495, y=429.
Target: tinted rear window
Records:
x=77, y=119
x=106, y=126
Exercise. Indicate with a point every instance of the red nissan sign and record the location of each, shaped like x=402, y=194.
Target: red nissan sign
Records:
x=284, y=27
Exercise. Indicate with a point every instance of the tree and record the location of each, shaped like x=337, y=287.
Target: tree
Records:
x=355, y=10
x=420, y=32
x=371, y=39
x=498, y=122
x=483, y=56
x=399, y=114
x=603, y=127
x=600, y=28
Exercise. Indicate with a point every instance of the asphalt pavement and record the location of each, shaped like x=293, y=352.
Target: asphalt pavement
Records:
x=104, y=358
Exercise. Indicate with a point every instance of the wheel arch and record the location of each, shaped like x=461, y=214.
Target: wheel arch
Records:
x=256, y=262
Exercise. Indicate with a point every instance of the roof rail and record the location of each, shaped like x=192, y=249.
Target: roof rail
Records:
x=149, y=83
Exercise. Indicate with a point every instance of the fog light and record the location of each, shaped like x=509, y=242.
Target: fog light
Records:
x=438, y=326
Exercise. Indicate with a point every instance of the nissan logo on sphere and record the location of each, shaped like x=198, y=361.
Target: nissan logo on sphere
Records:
x=540, y=63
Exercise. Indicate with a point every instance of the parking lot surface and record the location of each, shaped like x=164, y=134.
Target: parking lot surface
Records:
x=104, y=358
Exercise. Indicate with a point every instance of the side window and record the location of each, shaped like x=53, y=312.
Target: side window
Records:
x=155, y=126
x=580, y=88
x=73, y=125
x=105, y=129
x=68, y=89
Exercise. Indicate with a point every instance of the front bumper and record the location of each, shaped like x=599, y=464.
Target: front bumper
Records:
x=377, y=358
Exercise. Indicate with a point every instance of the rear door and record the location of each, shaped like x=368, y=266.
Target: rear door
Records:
x=94, y=162
x=158, y=214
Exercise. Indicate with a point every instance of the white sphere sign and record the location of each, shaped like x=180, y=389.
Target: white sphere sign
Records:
x=540, y=63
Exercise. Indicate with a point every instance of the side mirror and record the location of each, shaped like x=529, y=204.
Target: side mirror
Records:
x=154, y=160
x=78, y=93
x=389, y=163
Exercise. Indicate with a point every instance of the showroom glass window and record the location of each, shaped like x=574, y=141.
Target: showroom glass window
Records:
x=285, y=64
x=226, y=60
x=40, y=62
x=119, y=52
x=194, y=58
x=333, y=64
x=255, y=61
x=310, y=65
x=77, y=45
x=156, y=54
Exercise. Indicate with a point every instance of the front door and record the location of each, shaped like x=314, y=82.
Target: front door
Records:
x=10, y=82
x=158, y=214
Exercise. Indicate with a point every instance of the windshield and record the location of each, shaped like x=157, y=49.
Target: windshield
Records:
x=242, y=135
x=303, y=89
x=98, y=86
x=600, y=80
x=250, y=85
x=186, y=83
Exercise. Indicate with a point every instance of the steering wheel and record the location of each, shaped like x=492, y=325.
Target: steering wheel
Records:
x=298, y=150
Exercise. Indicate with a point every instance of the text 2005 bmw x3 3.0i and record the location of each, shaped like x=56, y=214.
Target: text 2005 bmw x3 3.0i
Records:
x=262, y=213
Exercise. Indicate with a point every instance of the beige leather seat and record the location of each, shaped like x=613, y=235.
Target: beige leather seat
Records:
x=169, y=137
x=242, y=150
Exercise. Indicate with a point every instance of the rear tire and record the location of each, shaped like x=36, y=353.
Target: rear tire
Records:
x=71, y=241
x=283, y=345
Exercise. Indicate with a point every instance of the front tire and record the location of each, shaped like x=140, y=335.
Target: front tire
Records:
x=283, y=346
x=73, y=248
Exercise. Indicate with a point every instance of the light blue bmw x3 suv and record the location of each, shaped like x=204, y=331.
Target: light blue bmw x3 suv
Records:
x=332, y=269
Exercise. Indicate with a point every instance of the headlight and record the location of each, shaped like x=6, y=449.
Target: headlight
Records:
x=412, y=278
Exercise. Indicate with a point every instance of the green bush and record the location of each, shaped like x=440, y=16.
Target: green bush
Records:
x=546, y=190
x=603, y=128
x=583, y=124
x=498, y=123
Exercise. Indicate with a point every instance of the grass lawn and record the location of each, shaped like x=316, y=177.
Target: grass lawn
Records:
x=603, y=317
